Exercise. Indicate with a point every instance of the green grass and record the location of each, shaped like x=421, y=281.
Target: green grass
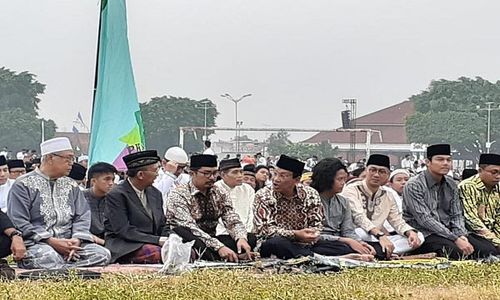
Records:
x=466, y=281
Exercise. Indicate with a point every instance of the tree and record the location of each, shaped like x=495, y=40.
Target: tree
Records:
x=19, y=121
x=447, y=112
x=279, y=143
x=162, y=117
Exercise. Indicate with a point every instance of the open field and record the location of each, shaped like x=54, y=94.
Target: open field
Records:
x=467, y=281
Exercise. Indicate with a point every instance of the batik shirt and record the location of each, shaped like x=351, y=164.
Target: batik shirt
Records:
x=42, y=208
x=189, y=207
x=275, y=215
x=481, y=208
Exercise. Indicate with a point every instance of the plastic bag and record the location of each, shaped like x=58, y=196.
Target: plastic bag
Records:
x=175, y=255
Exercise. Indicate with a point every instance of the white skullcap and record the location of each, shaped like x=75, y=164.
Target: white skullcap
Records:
x=176, y=154
x=399, y=171
x=82, y=158
x=55, y=145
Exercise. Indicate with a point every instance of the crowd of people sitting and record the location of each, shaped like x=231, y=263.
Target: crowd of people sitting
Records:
x=61, y=215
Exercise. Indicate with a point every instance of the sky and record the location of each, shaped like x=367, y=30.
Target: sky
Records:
x=298, y=59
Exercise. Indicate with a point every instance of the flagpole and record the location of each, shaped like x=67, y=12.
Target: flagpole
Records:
x=43, y=131
x=97, y=60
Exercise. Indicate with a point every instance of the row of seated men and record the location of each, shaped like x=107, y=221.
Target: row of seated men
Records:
x=48, y=221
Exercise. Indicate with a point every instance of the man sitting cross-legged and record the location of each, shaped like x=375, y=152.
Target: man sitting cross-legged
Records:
x=372, y=205
x=288, y=217
x=101, y=177
x=194, y=210
x=329, y=176
x=51, y=212
x=134, y=222
x=431, y=204
x=242, y=196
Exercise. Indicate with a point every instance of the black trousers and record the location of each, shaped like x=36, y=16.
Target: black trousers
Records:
x=4, y=245
x=285, y=249
x=207, y=253
x=379, y=254
x=447, y=248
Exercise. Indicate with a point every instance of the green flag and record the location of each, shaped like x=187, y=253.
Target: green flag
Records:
x=117, y=128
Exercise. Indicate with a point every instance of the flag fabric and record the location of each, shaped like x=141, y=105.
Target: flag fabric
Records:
x=116, y=128
x=75, y=130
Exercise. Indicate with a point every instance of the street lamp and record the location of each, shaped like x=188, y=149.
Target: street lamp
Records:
x=488, y=134
x=207, y=104
x=235, y=101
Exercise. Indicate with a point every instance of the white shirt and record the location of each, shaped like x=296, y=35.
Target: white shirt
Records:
x=4, y=193
x=166, y=181
x=399, y=202
x=209, y=151
x=242, y=197
x=406, y=164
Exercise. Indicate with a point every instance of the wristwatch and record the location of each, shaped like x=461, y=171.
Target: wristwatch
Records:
x=14, y=233
x=379, y=235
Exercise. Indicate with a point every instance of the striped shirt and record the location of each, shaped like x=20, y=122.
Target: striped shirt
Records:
x=481, y=208
x=434, y=207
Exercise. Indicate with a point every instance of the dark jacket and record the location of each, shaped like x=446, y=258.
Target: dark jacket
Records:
x=128, y=226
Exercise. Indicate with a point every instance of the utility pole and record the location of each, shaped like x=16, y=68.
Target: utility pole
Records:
x=207, y=104
x=488, y=108
x=236, y=122
x=351, y=105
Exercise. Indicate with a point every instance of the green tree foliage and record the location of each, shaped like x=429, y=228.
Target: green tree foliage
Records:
x=279, y=143
x=19, y=121
x=162, y=117
x=447, y=112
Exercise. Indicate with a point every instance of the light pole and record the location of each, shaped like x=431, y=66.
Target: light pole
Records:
x=488, y=108
x=235, y=101
x=207, y=104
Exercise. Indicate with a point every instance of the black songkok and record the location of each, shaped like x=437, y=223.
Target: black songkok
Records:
x=291, y=164
x=16, y=163
x=226, y=164
x=489, y=159
x=379, y=160
x=438, y=149
x=78, y=172
x=141, y=159
x=203, y=160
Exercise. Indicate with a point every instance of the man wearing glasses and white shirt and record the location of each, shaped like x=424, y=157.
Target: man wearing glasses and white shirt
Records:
x=372, y=205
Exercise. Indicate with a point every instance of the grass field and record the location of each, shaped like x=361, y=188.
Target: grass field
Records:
x=458, y=282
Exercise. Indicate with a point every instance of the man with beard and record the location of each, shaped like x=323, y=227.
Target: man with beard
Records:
x=194, y=210
x=432, y=205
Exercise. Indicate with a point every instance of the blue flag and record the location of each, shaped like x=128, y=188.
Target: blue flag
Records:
x=116, y=128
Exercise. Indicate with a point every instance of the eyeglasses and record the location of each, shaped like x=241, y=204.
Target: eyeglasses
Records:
x=494, y=173
x=208, y=174
x=69, y=158
x=381, y=171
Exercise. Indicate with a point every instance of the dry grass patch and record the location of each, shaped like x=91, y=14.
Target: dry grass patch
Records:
x=469, y=281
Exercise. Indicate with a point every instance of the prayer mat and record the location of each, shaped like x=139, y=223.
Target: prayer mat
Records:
x=60, y=274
